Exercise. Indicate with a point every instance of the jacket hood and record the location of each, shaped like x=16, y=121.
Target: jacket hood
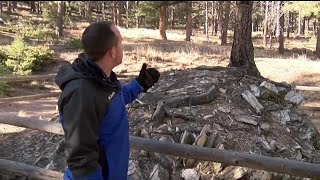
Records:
x=84, y=68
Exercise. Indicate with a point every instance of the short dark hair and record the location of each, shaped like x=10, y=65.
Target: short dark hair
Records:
x=97, y=39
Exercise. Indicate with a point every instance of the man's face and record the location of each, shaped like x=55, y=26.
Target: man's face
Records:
x=118, y=49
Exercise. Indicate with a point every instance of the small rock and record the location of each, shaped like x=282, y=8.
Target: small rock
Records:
x=308, y=136
x=134, y=171
x=297, y=147
x=266, y=144
x=171, y=74
x=159, y=173
x=294, y=98
x=208, y=116
x=247, y=119
x=235, y=173
x=224, y=109
x=252, y=100
x=261, y=175
x=269, y=86
x=299, y=156
x=265, y=126
x=255, y=90
x=223, y=91
x=273, y=144
x=281, y=116
x=288, y=130
x=190, y=174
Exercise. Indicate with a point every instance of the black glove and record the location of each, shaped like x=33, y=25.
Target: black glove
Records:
x=147, y=77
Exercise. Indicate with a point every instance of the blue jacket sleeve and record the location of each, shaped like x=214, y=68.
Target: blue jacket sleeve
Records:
x=131, y=91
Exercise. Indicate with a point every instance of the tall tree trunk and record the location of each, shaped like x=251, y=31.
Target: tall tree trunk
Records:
x=119, y=20
x=206, y=23
x=162, y=23
x=308, y=25
x=242, y=54
x=33, y=6
x=1, y=10
x=189, y=21
x=216, y=21
x=318, y=39
x=220, y=15
x=271, y=29
x=278, y=19
x=212, y=15
x=9, y=6
x=281, y=23
x=314, y=28
x=127, y=14
x=103, y=11
x=303, y=25
x=299, y=24
x=59, y=22
x=14, y=5
x=289, y=24
x=38, y=7
x=225, y=22
x=172, y=18
x=114, y=12
x=265, y=28
x=137, y=17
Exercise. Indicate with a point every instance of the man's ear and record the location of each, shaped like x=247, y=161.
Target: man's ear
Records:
x=113, y=52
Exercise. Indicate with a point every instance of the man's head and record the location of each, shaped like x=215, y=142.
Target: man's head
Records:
x=102, y=41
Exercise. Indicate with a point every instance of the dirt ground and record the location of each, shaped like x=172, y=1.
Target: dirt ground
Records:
x=144, y=45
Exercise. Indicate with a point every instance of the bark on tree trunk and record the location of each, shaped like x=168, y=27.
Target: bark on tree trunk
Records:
x=162, y=23
x=127, y=14
x=299, y=24
x=119, y=13
x=289, y=24
x=14, y=5
x=114, y=12
x=33, y=6
x=265, y=29
x=189, y=21
x=1, y=10
x=59, y=25
x=206, y=23
x=242, y=46
x=172, y=18
x=220, y=16
x=9, y=6
x=225, y=22
x=303, y=25
x=281, y=23
x=137, y=17
x=318, y=39
x=212, y=15
x=278, y=19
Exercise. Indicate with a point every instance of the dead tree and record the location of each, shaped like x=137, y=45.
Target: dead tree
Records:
x=242, y=46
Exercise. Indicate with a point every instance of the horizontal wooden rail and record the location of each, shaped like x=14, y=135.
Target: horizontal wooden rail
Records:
x=29, y=171
x=28, y=98
x=307, y=88
x=310, y=108
x=291, y=167
x=38, y=78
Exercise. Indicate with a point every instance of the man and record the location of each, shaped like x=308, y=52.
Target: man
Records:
x=92, y=106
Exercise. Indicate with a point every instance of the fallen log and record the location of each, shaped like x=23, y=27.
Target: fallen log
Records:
x=273, y=164
x=30, y=97
x=28, y=170
x=187, y=100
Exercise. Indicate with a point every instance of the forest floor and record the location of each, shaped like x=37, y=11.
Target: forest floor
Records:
x=171, y=56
